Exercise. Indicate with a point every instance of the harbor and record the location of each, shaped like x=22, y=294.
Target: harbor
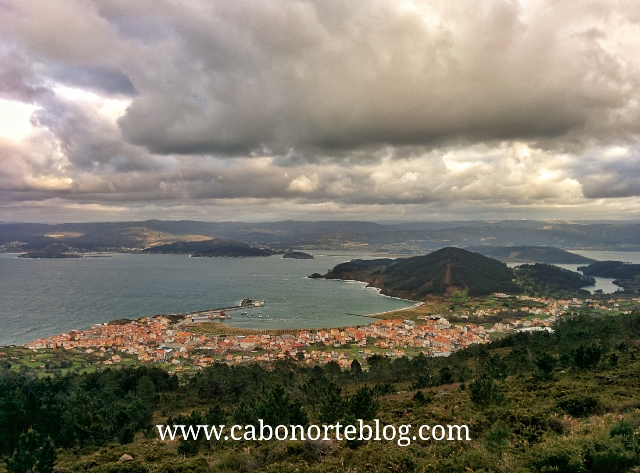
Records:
x=221, y=313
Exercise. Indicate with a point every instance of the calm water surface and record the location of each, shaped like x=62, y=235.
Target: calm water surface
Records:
x=45, y=297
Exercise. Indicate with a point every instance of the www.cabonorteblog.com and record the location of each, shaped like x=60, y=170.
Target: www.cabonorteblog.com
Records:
x=338, y=431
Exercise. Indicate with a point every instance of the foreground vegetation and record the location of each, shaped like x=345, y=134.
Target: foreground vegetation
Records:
x=567, y=401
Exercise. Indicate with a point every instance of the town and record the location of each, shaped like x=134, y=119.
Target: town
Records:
x=184, y=343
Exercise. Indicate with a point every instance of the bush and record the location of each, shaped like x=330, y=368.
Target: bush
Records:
x=579, y=405
x=610, y=455
x=557, y=425
x=399, y=462
x=557, y=458
x=420, y=399
x=497, y=437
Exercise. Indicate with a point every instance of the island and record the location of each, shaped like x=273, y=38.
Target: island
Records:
x=48, y=255
x=215, y=247
x=297, y=255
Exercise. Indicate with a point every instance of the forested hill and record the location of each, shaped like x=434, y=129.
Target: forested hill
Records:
x=612, y=269
x=536, y=254
x=551, y=280
x=442, y=271
x=213, y=247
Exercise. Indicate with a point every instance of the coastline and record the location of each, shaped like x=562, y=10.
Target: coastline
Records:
x=414, y=306
x=221, y=321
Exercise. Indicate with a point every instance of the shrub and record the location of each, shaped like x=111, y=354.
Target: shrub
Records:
x=557, y=425
x=497, y=437
x=557, y=458
x=579, y=405
x=610, y=455
x=420, y=399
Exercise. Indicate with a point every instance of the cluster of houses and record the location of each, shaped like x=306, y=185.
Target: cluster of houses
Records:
x=157, y=339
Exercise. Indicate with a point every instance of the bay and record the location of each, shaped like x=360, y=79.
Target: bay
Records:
x=43, y=297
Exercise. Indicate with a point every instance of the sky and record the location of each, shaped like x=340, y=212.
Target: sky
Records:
x=386, y=110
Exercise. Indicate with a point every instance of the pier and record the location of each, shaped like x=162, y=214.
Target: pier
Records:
x=213, y=314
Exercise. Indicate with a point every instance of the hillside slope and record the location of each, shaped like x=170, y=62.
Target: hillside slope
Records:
x=442, y=271
x=612, y=269
x=536, y=254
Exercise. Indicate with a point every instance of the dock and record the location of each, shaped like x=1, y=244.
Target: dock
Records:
x=220, y=313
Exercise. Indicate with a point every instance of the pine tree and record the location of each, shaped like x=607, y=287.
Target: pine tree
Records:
x=332, y=407
x=35, y=454
x=484, y=392
x=362, y=405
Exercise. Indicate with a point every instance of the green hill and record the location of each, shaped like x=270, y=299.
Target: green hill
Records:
x=209, y=248
x=612, y=269
x=442, y=271
x=548, y=279
x=536, y=254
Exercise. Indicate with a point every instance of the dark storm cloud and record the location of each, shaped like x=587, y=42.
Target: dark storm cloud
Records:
x=241, y=76
x=321, y=77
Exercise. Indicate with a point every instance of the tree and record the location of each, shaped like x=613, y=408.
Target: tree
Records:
x=332, y=407
x=35, y=454
x=146, y=390
x=446, y=376
x=362, y=405
x=356, y=369
x=485, y=392
x=586, y=357
x=496, y=367
x=546, y=363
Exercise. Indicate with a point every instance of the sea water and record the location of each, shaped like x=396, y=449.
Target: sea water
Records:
x=43, y=297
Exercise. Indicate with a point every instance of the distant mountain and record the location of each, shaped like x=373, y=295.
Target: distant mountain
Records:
x=440, y=272
x=536, y=254
x=612, y=269
x=210, y=248
x=409, y=238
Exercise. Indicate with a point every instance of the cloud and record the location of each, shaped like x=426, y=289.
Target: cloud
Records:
x=326, y=106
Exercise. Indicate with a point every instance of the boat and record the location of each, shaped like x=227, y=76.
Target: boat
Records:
x=259, y=316
x=243, y=313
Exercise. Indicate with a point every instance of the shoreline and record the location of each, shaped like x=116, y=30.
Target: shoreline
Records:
x=414, y=306
x=222, y=321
